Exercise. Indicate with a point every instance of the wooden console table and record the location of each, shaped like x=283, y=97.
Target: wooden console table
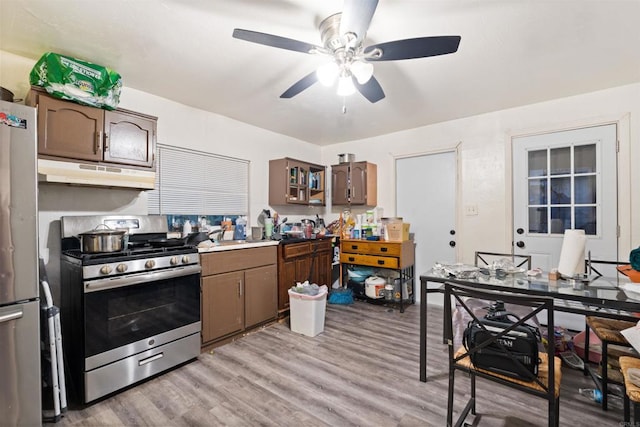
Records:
x=381, y=254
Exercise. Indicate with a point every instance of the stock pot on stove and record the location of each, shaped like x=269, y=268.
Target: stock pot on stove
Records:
x=102, y=240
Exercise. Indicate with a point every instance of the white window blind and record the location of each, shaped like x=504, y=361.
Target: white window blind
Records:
x=196, y=183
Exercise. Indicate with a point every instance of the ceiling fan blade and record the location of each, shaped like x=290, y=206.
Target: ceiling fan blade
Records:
x=274, y=41
x=370, y=90
x=356, y=17
x=300, y=85
x=420, y=47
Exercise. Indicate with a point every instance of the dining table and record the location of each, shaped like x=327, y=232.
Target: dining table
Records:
x=610, y=297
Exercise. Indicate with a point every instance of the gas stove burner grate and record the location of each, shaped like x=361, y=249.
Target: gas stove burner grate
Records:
x=129, y=254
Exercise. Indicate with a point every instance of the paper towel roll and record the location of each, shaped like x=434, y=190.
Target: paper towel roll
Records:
x=572, y=253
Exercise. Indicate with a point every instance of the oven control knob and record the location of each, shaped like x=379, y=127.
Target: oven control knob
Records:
x=150, y=264
x=186, y=259
x=121, y=268
x=105, y=269
x=173, y=260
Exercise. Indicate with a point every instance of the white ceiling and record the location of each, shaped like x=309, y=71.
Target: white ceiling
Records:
x=513, y=52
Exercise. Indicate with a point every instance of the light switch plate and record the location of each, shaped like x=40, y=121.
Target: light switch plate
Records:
x=471, y=210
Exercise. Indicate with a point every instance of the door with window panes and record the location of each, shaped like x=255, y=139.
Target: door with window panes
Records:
x=565, y=180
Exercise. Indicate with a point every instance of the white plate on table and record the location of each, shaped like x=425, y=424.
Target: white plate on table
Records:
x=632, y=290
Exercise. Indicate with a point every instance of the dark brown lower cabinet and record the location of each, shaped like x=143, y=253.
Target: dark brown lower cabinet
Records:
x=239, y=291
x=260, y=295
x=300, y=261
x=222, y=305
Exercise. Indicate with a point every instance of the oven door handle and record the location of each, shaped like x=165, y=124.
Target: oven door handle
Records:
x=137, y=279
x=150, y=359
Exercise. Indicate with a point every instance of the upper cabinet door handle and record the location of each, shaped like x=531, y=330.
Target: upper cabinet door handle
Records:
x=98, y=142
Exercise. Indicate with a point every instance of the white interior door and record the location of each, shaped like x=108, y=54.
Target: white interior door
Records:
x=565, y=180
x=426, y=198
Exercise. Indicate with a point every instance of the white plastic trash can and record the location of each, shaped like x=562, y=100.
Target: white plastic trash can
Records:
x=306, y=312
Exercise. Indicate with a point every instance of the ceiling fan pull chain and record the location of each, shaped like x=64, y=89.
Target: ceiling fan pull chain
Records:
x=344, y=105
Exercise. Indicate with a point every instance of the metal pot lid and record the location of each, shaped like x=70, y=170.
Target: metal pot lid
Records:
x=107, y=231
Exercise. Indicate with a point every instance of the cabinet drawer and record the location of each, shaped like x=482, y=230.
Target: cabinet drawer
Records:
x=239, y=259
x=372, y=248
x=293, y=250
x=321, y=246
x=370, y=260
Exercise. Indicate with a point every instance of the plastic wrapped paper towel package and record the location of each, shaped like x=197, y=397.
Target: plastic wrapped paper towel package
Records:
x=76, y=80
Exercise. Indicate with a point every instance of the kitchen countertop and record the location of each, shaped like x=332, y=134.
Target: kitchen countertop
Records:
x=228, y=245
x=302, y=239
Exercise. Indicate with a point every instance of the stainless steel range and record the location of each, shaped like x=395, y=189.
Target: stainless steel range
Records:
x=130, y=314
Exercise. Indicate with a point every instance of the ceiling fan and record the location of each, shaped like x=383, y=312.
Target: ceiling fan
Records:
x=342, y=36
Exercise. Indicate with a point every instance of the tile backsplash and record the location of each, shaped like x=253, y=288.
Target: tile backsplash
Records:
x=176, y=222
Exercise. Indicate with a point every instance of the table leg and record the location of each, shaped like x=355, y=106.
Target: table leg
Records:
x=423, y=330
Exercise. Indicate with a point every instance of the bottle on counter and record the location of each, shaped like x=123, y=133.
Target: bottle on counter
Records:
x=186, y=228
x=356, y=231
x=239, y=232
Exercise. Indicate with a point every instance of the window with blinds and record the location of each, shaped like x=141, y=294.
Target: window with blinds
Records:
x=196, y=183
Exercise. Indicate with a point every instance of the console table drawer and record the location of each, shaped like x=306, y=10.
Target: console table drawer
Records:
x=370, y=260
x=378, y=248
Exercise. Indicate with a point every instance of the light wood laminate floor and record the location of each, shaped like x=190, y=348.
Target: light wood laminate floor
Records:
x=363, y=370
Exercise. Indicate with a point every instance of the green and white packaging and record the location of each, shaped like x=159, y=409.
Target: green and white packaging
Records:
x=77, y=80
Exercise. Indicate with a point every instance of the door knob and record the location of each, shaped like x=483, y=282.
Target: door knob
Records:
x=520, y=231
x=520, y=244
x=452, y=243
x=452, y=232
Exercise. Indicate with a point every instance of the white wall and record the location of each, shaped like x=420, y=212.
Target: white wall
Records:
x=485, y=175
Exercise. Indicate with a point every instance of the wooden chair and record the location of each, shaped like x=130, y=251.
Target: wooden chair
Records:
x=632, y=391
x=485, y=259
x=608, y=331
x=545, y=385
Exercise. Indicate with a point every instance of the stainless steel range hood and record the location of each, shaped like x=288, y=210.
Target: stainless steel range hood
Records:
x=95, y=175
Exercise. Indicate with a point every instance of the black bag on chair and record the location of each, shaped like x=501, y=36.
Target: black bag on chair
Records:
x=514, y=354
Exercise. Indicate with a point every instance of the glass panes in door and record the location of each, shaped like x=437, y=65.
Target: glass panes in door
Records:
x=562, y=189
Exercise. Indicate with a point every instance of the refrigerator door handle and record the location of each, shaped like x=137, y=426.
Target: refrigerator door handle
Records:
x=7, y=317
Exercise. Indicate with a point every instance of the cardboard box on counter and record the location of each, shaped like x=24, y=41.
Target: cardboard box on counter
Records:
x=398, y=231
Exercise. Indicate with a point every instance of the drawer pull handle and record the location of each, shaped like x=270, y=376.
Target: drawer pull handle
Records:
x=354, y=247
x=150, y=359
x=380, y=262
x=383, y=249
x=351, y=259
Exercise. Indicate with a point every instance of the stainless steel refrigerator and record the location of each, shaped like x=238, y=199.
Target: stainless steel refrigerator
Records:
x=20, y=383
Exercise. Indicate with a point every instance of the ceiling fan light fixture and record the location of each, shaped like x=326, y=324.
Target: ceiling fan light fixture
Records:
x=362, y=71
x=328, y=73
x=345, y=85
